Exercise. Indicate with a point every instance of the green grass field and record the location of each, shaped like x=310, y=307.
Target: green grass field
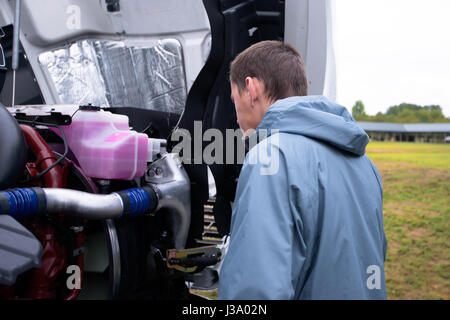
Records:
x=416, y=185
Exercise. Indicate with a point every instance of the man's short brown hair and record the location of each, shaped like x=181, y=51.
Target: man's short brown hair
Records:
x=278, y=65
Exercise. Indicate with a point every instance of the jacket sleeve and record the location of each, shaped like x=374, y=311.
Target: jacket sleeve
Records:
x=260, y=261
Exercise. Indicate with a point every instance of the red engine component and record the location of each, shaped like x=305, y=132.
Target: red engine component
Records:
x=41, y=282
x=45, y=157
x=53, y=262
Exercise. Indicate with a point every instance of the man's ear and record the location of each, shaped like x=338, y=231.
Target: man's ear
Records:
x=251, y=85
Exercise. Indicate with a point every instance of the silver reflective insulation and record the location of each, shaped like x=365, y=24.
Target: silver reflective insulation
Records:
x=145, y=74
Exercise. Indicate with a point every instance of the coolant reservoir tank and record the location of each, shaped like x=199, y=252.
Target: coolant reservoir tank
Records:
x=105, y=146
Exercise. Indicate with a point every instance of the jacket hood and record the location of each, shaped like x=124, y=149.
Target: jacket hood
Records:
x=318, y=118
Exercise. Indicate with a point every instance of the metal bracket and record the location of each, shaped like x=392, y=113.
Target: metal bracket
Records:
x=191, y=260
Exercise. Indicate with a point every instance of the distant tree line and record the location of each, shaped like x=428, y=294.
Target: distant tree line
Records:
x=402, y=113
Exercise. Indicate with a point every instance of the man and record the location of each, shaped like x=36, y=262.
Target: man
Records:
x=312, y=228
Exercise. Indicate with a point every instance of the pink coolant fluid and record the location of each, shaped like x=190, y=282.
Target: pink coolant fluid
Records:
x=105, y=146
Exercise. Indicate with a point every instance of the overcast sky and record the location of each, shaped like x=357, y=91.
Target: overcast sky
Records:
x=392, y=51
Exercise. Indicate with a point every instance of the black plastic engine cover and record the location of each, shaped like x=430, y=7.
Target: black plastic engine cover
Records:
x=13, y=150
x=19, y=250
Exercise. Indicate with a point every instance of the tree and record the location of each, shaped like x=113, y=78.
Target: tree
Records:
x=358, y=111
x=402, y=113
x=412, y=113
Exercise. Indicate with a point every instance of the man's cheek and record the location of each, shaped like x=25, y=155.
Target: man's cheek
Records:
x=239, y=114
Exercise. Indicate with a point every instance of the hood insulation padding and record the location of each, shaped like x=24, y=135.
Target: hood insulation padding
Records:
x=145, y=74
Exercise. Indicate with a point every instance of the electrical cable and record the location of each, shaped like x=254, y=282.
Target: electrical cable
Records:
x=66, y=147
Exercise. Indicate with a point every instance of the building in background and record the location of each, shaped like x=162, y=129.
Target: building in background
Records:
x=407, y=132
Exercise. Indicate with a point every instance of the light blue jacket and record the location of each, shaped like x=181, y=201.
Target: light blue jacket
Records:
x=310, y=227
